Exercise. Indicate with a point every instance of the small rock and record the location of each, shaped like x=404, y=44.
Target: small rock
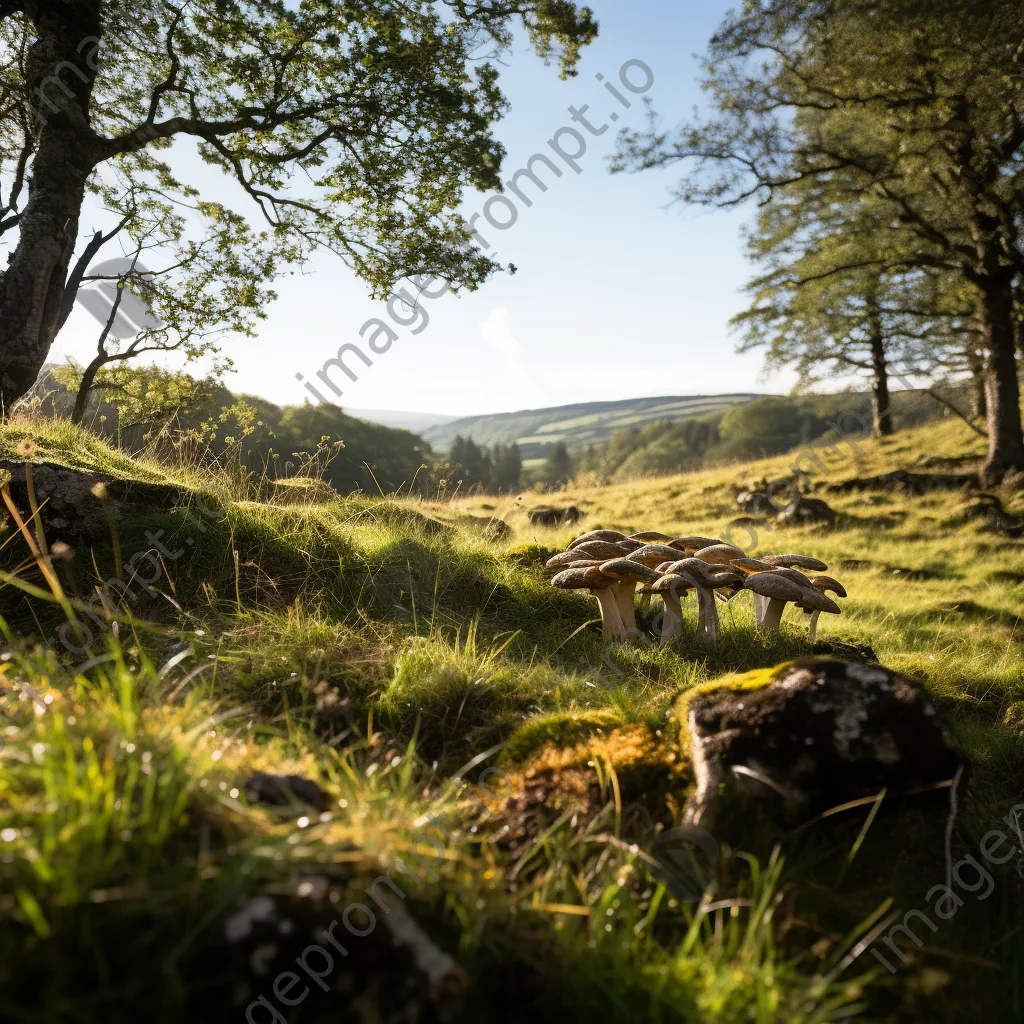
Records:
x=548, y=515
x=864, y=653
x=869, y=729
x=494, y=529
x=284, y=791
x=1013, y=718
x=803, y=510
x=756, y=503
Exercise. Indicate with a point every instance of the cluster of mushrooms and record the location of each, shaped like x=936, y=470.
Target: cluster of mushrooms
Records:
x=612, y=566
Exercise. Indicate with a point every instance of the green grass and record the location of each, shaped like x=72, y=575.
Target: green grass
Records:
x=381, y=645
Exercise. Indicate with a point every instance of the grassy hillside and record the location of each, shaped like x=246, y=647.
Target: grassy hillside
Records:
x=390, y=649
x=578, y=425
x=250, y=433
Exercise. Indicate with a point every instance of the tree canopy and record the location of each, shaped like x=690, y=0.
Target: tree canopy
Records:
x=351, y=128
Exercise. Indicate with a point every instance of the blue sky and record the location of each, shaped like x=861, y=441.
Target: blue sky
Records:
x=617, y=294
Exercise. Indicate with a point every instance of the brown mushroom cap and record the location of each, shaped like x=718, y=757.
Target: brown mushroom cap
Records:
x=663, y=566
x=792, y=574
x=562, y=559
x=653, y=554
x=692, y=543
x=751, y=565
x=670, y=582
x=695, y=567
x=590, y=578
x=773, y=584
x=798, y=561
x=718, y=554
x=566, y=558
x=815, y=601
x=608, y=535
x=650, y=537
x=627, y=569
x=602, y=549
x=628, y=544
x=826, y=584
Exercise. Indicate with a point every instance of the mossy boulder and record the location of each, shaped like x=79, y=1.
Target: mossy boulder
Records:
x=69, y=506
x=562, y=730
x=809, y=735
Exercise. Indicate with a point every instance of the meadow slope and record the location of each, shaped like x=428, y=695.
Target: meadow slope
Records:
x=391, y=648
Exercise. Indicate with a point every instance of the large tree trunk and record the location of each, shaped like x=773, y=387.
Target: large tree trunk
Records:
x=1002, y=389
x=880, y=404
x=61, y=71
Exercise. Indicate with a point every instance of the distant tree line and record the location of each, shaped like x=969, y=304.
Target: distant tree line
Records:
x=496, y=470
x=765, y=426
x=752, y=430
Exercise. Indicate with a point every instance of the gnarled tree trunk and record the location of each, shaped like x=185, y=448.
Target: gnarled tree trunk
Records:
x=1002, y=389
x=880, y=405
x=61, y=70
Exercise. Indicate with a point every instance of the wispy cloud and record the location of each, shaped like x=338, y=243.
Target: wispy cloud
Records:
x=496, y=331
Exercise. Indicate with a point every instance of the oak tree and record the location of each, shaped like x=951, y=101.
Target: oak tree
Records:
x=351, y=127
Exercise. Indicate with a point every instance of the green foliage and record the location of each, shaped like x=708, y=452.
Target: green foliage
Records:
x=350, y=129
x=374, y=458
x=558, y=469
x=766, y=426
x=202, y=422
x=763, y=426
x=654, y=450
x=141, y=396
x=214, y=277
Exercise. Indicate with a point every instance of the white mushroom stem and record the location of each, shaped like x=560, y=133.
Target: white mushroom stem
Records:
x=760, y=605
x=624, y=591
x=707, y=617
x=772, y=617
x=812, y=628
x=611, y=619
x=671, y=618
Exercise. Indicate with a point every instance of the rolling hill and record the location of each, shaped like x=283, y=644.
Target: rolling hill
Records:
x=399, y=419
x=578, y=425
